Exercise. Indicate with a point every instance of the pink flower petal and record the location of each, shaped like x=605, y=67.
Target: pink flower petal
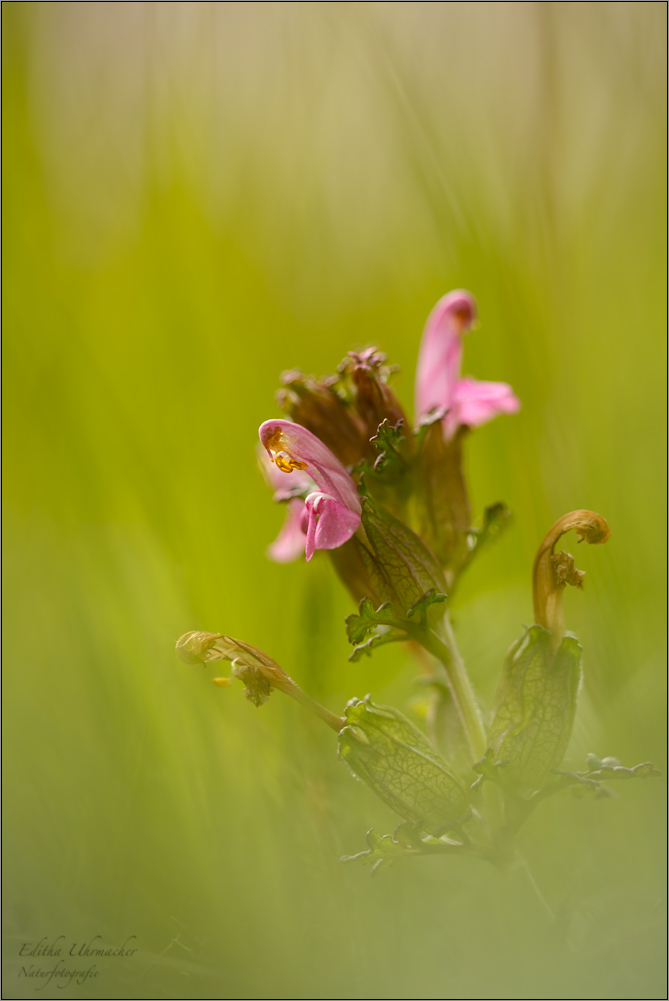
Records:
x=290, y=542
x=440, y=356
x=476, y=402
x=438, y=381
x=293, y=448
x=330, y=523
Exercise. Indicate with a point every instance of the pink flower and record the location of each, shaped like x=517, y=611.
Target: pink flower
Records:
x=331, y=514
x=290, y=542
x=438, y=380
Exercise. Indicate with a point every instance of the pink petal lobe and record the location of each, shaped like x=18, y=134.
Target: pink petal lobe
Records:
x=440, y=355
x=330, y=523
x=475, y=402
x=295, y=449
x=290, y=542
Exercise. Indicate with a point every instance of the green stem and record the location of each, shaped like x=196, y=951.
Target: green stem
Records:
x=445, y=649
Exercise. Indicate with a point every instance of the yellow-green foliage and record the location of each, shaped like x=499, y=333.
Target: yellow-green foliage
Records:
x=198, y=196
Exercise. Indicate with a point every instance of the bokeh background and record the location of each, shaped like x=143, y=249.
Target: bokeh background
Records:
x=198, y=196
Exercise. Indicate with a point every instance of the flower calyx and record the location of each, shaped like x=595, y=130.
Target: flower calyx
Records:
x=386, y=751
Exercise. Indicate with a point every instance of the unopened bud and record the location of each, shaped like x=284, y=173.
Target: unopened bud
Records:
x=375, y=401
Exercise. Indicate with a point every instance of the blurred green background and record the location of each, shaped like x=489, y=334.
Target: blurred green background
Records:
x=198, y=196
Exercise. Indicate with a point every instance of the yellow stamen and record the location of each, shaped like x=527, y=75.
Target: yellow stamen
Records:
x=222, y=682
x=286, y=463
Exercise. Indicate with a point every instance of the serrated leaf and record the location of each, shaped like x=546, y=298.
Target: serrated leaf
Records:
x=592, y=781
x=420, y=607
x=382, y=852
x=406, y=842
x=372, y=628
x=388, y=441
x=357, y=626
x=608, y=769
x=379, y=638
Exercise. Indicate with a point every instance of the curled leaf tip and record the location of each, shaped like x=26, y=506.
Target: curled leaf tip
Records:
x=589, y=526
x=553, y=571
x=197, y=647
x=259, y=673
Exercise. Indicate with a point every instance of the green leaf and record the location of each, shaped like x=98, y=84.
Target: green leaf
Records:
x=610, y=769
x=382, y=852
x=488, y=769
x=406, y=842
x=374, y=628
x=384, y=749
x=536, y=707
x=388, y=441
x=421, y=606
x=592, y=780
x=381, y=636
x=357, y=626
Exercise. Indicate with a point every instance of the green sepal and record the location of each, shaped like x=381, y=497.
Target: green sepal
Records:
x=440, y=505
x=536, y=707
x=386, y=751
x=400, y=566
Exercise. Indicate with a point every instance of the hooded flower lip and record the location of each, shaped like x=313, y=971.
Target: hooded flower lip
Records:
x=438, y=380
x=331, y=514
